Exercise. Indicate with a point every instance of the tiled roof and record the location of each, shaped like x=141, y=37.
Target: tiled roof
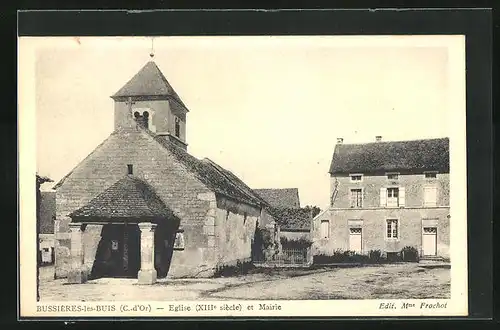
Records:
x=47, y=211
x=292, y=218
x=286, y=197
x=415, y=155
x=212, y=175
x=149, y=81
x=129, y=197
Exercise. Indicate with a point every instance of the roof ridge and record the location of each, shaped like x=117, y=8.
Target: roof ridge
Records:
x=61, y=181
x=392, y=141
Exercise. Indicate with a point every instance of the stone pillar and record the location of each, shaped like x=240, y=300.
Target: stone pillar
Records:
x=77, y=273
x=147, y=273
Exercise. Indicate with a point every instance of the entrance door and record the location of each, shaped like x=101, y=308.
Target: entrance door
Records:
x=355, y=240
x=118, y=253
x=429, y=241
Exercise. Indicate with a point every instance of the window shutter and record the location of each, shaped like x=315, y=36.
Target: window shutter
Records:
x=383, y=196
x=402, y=199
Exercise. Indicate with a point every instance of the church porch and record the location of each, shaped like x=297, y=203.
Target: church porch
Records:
x=136, y=236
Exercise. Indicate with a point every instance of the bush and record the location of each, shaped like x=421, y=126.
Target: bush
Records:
x=375, y=256
x=301, y=243
x=340, y=256
x=409, y=254
x=240, y=268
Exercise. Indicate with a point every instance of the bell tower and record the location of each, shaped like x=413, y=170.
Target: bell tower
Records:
x=148, y=101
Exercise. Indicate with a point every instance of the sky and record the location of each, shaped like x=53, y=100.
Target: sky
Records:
x=267, y=108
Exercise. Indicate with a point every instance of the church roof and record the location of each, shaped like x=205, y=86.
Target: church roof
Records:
x=284, y=197
x=211, y=174
x=414, y=155
x=129, y=197
x=149, y=81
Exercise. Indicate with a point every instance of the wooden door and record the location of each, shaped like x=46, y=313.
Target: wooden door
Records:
x=429, y=241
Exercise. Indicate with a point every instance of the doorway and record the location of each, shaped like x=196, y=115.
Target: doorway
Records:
x=118, y=252
x=429, y=241
x=355, y=241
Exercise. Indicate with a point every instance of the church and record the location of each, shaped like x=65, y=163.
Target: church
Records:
x=140, y=206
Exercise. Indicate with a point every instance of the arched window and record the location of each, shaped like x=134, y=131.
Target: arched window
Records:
x=177, y=127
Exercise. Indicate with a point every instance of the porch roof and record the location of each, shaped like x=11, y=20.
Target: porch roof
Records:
x=128, y=198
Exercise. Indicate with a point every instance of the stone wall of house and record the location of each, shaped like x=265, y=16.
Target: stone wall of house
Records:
x=234, y=230
x=414, y=189
x=373, y=224
x=106, y=165
x=371, y=217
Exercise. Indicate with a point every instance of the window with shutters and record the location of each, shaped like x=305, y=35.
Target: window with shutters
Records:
x=356, y=198
x=392, y=229
x=325, y=228
x=392, y=197
x=430, y=196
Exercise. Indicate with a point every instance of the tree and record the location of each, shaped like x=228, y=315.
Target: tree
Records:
x=39, y=181
x=314, y=209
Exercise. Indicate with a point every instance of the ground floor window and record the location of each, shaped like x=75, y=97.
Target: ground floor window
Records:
x=392, y=228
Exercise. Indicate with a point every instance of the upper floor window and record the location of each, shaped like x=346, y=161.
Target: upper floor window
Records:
x=430, y=175
x=177, y=127
x=430, y=196
x=392, y=197
x=356, y=177
x=356, y=198
x=392, y=176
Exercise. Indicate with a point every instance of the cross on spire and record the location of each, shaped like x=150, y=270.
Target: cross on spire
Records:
x=152, y=54
x=130, y=103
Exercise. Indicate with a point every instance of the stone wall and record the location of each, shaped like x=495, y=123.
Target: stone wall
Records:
x=295, y=235
x=373, y=224
x=414, y=189
x=235, y=225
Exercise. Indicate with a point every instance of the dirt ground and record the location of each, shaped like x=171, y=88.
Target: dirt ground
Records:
x=399, y=281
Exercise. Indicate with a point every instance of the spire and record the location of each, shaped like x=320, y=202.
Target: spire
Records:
x=152, y=54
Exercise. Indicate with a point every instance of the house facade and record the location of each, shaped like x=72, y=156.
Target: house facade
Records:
x=141, y=206
x=386, y=196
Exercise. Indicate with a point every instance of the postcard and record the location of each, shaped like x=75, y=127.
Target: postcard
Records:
x=242, y=176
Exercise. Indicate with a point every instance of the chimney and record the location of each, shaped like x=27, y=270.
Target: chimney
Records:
x=340, y=140
x=378, y=138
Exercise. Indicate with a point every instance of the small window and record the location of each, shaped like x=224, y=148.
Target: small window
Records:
x=392, y=228
x=325, y=229
x=356, y=198
x=130, y=169
x=356, y=177
x=45, y=249
x=355, y=231
x=177, y=127
x=393, y=176
x=430, y=175
x=179, y=241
